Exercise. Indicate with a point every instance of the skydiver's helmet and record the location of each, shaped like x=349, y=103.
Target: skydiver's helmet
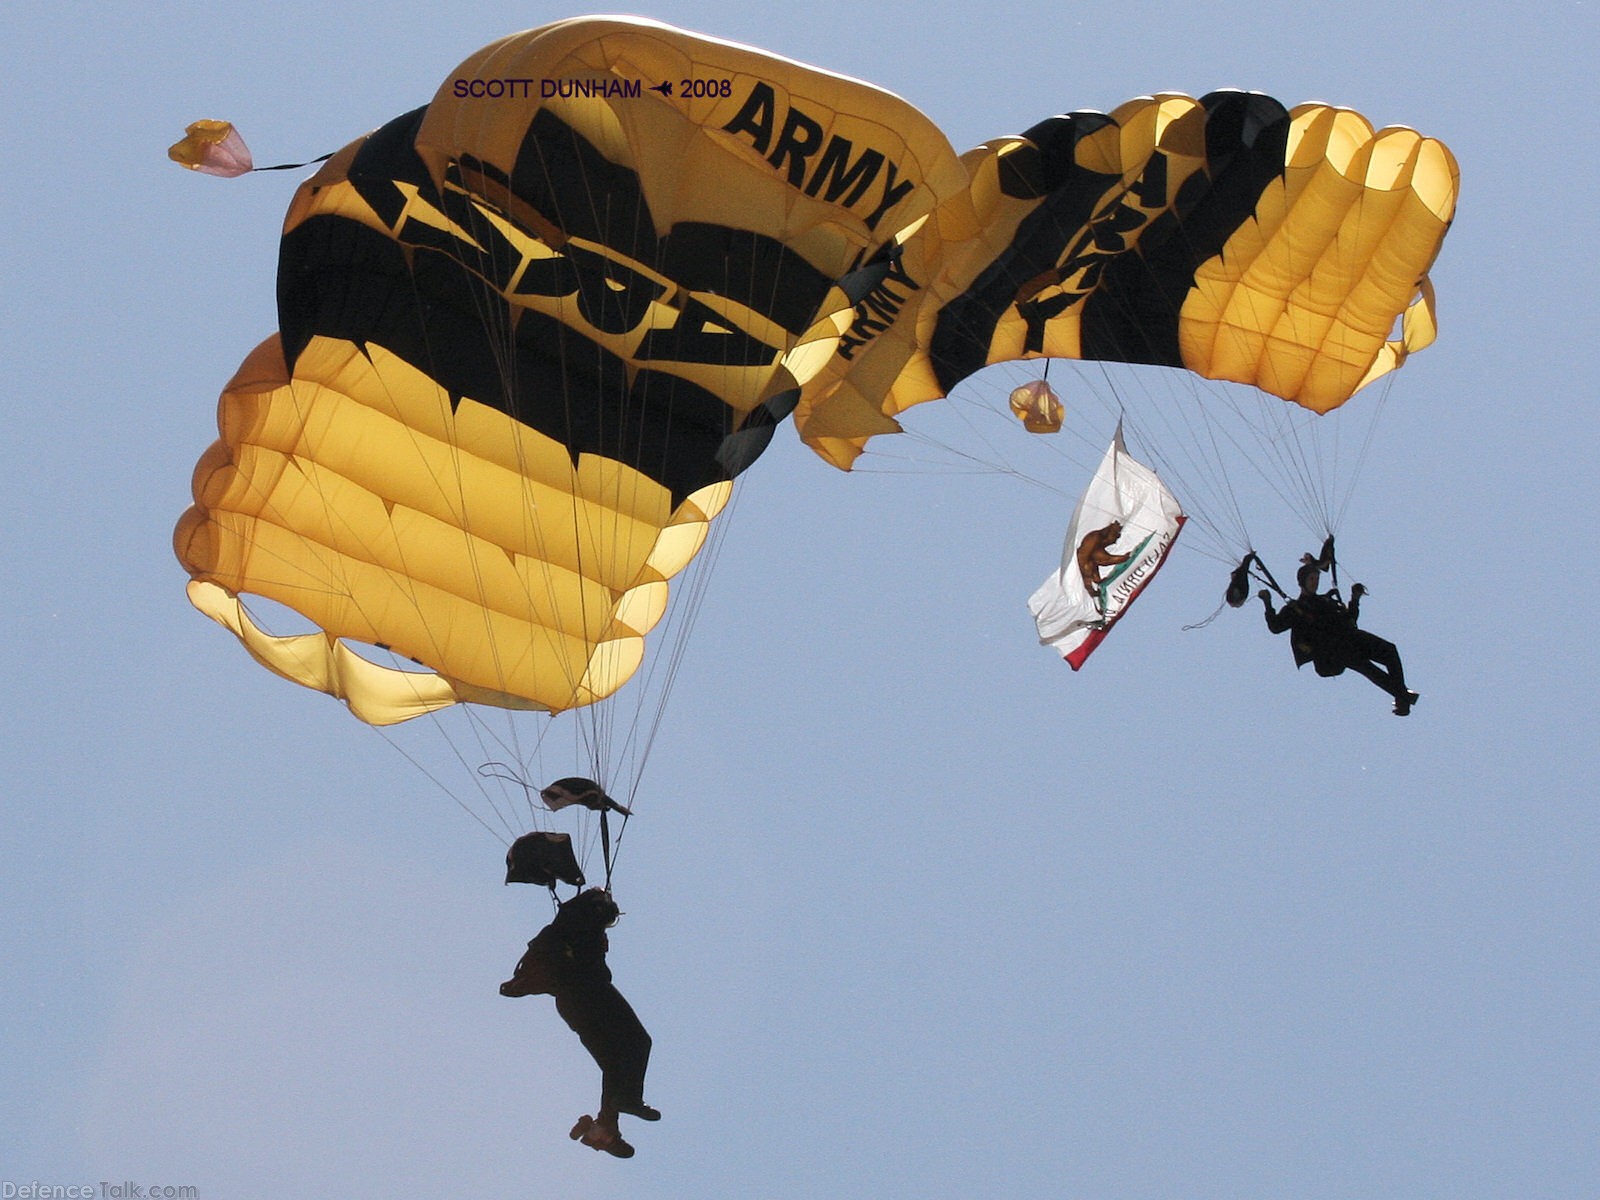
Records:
x=594, y=907
x=1309, y=574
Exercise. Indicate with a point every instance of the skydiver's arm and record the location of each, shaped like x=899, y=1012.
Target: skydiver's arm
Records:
x=1277, y=622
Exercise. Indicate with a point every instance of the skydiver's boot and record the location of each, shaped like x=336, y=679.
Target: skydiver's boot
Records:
x=638, y=1108
x=1403, y=703
x=1239, y=582
x=601, y=1135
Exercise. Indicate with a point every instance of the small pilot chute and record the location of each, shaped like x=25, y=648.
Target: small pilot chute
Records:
x=1118, y=538
x=1038, y=407
x=212, y=148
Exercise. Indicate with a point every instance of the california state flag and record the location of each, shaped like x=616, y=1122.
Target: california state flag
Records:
x=1120, y=534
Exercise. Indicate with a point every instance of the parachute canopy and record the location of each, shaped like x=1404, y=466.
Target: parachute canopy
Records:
x=1226, y=236
x=528, y=335
x=530, y=332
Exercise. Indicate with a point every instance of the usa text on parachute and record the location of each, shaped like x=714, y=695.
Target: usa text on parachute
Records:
x=1226, y=236
x=525, y=345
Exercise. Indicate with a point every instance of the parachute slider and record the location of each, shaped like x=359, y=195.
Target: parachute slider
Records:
x=543, y=859
x=580, y=791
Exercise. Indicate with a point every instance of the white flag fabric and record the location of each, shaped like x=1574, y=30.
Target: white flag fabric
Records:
x=1119, y=536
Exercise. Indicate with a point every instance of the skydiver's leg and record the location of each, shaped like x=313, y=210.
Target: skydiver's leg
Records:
x=1380, y=656
x=1378, y=675
x=614, y=1036
x=1384, y=654
x=624, y=1061
x=1379, y=661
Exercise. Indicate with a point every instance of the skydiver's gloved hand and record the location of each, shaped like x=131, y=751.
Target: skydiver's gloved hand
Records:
x=1325, y=559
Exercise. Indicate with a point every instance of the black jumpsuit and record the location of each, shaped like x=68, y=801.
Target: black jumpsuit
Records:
x=568, y=960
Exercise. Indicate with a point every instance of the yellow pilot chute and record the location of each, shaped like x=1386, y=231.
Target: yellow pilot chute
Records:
x=212, y=148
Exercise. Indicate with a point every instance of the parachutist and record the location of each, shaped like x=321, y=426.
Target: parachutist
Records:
x=567, y=960
x=1322, y=631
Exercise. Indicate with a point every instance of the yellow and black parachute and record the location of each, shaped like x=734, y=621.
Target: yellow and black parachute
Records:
x=530, y=332
x=528, y=335
x=1226, y=236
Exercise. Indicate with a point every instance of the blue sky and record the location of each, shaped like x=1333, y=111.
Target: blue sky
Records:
x=912, y=909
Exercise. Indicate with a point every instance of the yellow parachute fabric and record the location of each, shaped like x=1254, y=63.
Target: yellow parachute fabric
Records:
x=1226, y=236
x=528, y=335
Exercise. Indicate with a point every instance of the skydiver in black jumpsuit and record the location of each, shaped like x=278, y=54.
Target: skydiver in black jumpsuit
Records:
x=1323, y=632
x=568, y=961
